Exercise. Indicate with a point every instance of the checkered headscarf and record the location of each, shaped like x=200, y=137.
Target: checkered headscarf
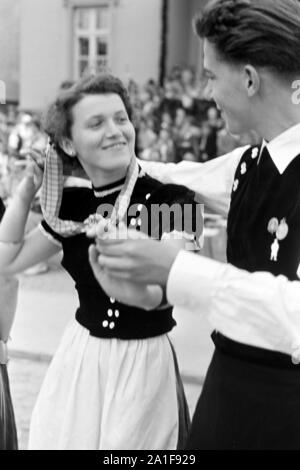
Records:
x=52, y=192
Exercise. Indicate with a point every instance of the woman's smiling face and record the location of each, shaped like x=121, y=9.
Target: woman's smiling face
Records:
x=102, y=134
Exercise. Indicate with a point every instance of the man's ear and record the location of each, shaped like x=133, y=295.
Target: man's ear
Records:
x=68, y=147
x=252, y=80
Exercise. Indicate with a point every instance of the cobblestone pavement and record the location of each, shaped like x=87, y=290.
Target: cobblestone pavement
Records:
x=26, y=377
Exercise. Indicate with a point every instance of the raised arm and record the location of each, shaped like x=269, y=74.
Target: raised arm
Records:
x=17, y=251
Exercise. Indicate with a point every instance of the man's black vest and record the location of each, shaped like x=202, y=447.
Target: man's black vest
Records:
x=264, y=216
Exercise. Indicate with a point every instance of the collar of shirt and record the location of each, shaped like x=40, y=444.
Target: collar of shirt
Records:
x=284, y=148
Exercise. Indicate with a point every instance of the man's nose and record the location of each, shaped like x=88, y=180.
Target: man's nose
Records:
x=209, y=91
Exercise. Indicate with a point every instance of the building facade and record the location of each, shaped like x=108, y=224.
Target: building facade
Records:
x=58, y=40
x=9, y=51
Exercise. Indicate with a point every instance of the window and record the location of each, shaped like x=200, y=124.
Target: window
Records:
x=92, y=30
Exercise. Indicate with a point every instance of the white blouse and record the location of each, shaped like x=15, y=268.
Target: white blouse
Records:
x=257, y=309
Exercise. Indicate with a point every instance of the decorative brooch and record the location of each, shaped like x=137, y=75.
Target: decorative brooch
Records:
x=280, y=230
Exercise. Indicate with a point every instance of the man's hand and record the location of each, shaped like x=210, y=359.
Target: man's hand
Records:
x=137, y=258
x=127, y=292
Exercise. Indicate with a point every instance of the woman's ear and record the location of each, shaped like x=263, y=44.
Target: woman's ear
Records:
x=68, y=147
x=252, y=80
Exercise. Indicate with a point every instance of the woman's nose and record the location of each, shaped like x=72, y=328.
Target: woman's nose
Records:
x=111, y=128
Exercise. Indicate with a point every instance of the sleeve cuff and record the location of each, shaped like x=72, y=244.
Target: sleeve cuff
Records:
x=49, y=236
x=191, y=280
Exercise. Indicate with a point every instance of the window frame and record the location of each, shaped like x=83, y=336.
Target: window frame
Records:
x=92, y=34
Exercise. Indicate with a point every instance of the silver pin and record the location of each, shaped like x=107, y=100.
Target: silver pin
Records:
x=282, y=231
x=274, y=250
x=273, y=225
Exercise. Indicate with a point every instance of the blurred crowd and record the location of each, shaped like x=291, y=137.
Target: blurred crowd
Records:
x=17, y=135
x=173, y=123
x=179, y=122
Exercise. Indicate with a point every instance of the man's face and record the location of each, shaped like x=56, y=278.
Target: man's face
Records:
x=227, y=86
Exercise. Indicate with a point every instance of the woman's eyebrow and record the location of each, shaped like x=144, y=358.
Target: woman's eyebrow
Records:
x=96, y=116
x=121, y=111
x=103, y=116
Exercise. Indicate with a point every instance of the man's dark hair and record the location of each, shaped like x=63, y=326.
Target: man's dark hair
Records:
x=263, y=33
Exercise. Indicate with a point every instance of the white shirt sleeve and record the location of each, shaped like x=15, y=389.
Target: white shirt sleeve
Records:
x=257, y=309
x=212, y=180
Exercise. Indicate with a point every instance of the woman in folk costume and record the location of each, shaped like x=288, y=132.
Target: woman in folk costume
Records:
x=114, y=381
x=251, y=395
x=8, y=296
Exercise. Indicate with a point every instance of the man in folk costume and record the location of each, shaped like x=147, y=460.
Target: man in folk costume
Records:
x=251, y=395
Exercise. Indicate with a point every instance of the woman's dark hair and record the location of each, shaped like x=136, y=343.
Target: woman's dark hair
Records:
x=263, y=33
x=58, y=119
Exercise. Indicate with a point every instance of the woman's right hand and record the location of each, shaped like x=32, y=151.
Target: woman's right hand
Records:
x=31, y=183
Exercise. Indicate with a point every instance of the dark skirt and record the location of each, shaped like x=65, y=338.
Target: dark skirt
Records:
x=250, y=401
x=8, y=432
x=184, y=422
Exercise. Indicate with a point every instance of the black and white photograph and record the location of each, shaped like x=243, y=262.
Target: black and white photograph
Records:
x=149, y=227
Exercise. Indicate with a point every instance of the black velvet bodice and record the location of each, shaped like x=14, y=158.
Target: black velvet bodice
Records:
x=260, y=194
x=105, y=317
